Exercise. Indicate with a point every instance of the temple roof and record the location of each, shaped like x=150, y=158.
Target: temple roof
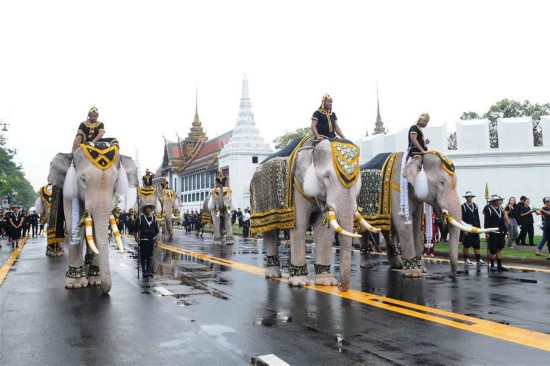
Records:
x=207, y=156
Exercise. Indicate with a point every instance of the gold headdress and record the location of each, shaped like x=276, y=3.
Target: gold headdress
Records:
x=325, y=97
x=93, y=110
x=424, y=117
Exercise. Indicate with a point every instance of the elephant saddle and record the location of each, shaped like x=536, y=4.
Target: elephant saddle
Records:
x=271, y=190
x=102, y=153
x=375, y=197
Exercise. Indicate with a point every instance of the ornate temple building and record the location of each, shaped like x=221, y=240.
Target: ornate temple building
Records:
x=191, y=164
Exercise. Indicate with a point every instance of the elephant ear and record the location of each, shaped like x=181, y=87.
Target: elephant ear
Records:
x=58, y=169
x=415, y=175
x=131, y=170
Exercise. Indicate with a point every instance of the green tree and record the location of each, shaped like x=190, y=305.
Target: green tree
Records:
x=12, y=179
x=284, y=139
x=511, y=108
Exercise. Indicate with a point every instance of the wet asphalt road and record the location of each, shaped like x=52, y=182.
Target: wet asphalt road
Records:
x=217, y=314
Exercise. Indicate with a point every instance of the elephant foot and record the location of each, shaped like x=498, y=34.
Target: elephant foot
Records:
x=298, y=281
x=412, y=267
x=325, y=280
x=94, y=280
x=229, y=241
x=106, y=286
x=73, y=283
x=273, y=272
x=412, y=273
x=218, y=240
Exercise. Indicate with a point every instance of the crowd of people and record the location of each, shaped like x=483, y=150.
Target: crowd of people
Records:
x=17, y=223
x=515, y=221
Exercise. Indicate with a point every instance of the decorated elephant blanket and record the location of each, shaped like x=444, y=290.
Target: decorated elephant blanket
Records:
x=271, y=190
x=376, y=190
x=147, y=196
x=56, y=221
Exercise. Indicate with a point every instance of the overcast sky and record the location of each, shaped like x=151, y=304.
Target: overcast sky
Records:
x=140, y=62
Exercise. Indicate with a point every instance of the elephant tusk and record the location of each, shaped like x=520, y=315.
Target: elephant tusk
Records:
x=364, y=224
x=467, y=228
x=90, y=235
x=116, y=234
x=334, y=224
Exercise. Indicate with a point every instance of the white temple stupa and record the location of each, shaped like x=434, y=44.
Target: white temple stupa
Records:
x=243, y=152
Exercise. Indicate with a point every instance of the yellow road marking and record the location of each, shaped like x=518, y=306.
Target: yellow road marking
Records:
x=11, y=260
x=488, y=328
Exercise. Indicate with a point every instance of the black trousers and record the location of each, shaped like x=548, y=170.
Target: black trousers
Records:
x=146, y=255
x=526, y=229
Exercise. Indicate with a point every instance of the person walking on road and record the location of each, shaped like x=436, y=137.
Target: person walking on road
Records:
x=510, y=215
x=16, y=221
x=494, y=217
x=526, y=213
x=147, y=236
x=545, y=213
x=470, y=215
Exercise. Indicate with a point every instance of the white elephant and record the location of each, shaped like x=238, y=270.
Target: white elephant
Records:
x=168, y=202
x=321, y=182
x=217, y=211
x=99, y=171
x=430, y=179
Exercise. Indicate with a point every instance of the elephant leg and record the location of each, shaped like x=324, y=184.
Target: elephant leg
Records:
x=393, y=250
x=323, y=253
x=273, y=268
x=298, y=266
x=418, y=238
x=229, y=240
x=406, y=236
x=76, y=277
x=216, y=224
x=94, y=277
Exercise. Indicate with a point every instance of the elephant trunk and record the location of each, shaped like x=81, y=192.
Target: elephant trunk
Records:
x=344, y=218
x=101, y=234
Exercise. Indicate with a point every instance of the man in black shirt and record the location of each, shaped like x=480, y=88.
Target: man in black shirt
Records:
x=324, y=123
x=89, y=130
x=34, y=218
x=417, y=142
x=470, y=215
x=147, y=179
x=494, y=217
x=147, y=236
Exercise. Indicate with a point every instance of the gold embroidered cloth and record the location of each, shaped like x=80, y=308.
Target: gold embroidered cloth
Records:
x=375, y=196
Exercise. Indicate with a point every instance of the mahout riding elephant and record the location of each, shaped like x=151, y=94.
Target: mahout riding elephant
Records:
x=321, y=182
x=42, y=206
x=217, y=211
x=168, y=201
x=90, y=176
x=431, y=179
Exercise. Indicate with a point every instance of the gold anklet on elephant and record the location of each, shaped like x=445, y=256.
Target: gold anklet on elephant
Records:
x=273, y=261
x=411, y=263
x=75, y=272
x=393, y=250
x=297, y=270
x=93, y=271
x=321, y=269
